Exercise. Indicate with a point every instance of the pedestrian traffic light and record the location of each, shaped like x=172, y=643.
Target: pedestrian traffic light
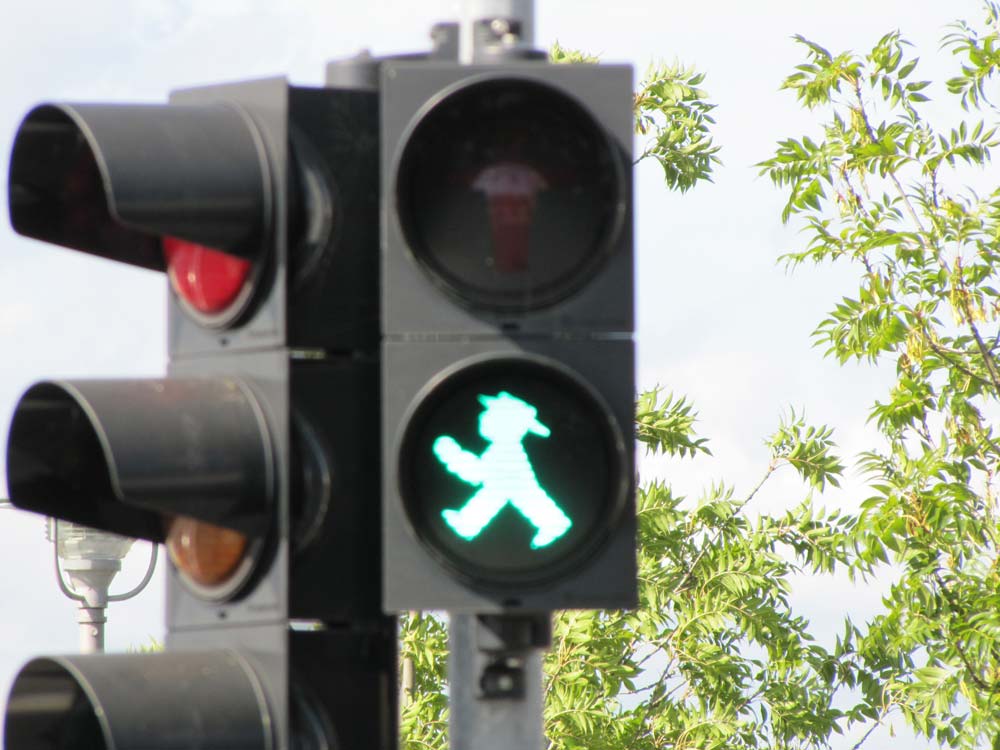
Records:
x=507, y=310
x=255, y=460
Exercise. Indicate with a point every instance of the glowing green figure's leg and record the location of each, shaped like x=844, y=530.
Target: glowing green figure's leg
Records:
x=535, y=505
x=475, y=515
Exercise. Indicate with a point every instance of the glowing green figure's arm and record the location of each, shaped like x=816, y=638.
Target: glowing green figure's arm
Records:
x=464, y=465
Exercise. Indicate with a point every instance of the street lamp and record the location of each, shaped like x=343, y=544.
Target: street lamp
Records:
x=91, y=559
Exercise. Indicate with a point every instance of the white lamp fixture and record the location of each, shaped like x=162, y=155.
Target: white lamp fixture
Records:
x=91, y=560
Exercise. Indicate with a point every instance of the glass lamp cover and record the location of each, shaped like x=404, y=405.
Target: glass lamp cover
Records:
x=78, y=542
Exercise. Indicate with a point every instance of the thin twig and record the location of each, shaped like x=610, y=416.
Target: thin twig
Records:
x=701, y=553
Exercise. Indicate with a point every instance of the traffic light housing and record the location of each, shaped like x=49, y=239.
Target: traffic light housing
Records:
x=256, y=459
x=507, y=359
x=254, y=198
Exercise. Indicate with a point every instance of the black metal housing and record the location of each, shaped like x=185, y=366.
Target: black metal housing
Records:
x=318, y=284
x=333, y=259
x=349, y=677
x=267, y=423
x=335, y=539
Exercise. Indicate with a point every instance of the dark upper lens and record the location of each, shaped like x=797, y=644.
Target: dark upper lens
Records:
x=509, y=194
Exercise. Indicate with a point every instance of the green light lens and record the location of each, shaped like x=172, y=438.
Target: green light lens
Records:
x=511, y=471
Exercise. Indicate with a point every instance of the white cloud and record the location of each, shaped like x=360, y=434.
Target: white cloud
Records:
x=14, y=316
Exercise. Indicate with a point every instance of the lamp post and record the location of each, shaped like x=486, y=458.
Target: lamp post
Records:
x=90, y=559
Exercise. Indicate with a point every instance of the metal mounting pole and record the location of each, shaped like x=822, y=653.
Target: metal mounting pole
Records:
x=91, y=580
x=493, y=29
x=495, y=675
x=92, y=621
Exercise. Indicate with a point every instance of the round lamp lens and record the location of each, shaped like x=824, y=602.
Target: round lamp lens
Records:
x=510, y=194
x=208, y=281
x=511, y=472
x=207, y=555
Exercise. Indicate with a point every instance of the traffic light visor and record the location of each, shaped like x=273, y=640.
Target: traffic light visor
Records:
x=127, y=455
x=174, y=701
x=510, y=194
x=114, y=180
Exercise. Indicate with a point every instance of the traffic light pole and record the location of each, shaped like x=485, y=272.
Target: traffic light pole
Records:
x=491, y=25
x=495, y=671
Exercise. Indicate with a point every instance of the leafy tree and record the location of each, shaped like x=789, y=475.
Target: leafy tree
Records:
x=673, y=114
x=887, y=190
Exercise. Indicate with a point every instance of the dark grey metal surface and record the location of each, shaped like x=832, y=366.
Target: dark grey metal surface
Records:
x=352, y=674
x=317, y=286
x=478, y=720
x=261, y=322
x=359, y=72
x=209, y=700
x=335, y=511
x=265, y=600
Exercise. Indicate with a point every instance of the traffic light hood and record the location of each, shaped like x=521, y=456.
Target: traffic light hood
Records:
x=126, y=455
x=201, y=699
x=113, y=180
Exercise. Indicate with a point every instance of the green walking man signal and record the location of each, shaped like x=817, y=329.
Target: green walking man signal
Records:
x=503, y=473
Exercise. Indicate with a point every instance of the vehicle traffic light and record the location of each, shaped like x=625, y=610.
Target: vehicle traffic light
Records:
x=256, y=459
x=507, y=361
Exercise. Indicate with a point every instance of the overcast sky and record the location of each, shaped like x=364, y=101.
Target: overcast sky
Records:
x=719, y=320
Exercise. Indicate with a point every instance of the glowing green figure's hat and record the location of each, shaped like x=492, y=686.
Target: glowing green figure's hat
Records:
x=516, y=410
